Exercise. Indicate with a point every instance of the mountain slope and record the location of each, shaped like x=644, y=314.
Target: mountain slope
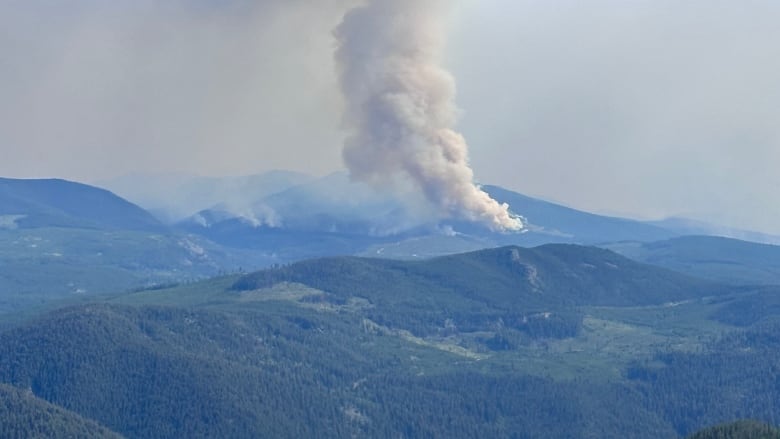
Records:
x=24, y=415
x=60, y=203
x=720, y=259
x=550, y=275
x=352, y=218
x=532, y=292
x=152, y=372
x=563, y=224
x=735, y=378
x=555, y=341
x=329, y=205
x=59, y=238
x=329, y=216
x=42, y=264
x=164, y=373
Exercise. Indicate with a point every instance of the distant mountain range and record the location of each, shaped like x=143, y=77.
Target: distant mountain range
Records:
x=59, y=238
x=295, y=202
x=348, y=217
x=653, y=335
x=354, y=218
x=92, y=240
x=686, y=226
x=711, y=257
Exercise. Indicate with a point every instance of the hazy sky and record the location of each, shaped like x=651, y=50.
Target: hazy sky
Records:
x=643, y=108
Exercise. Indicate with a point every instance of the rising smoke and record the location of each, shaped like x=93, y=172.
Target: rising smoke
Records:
x=400, y=108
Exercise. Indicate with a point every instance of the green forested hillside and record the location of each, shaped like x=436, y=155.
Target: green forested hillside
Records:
x=512, y=285
x=155, y=372
x=550, y=275
x=557, y=341
x=23, y=415
x=738, y=430
x=737, y=377
x=173, y=373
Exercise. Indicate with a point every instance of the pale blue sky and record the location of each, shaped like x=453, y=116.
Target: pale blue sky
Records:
x=644, y=108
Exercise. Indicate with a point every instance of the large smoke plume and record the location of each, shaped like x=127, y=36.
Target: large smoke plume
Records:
x=400, y=108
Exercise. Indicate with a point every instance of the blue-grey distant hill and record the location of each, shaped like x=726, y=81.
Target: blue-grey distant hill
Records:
x=687, y=226
x=554, y=222
x=334, y=215
x=59, y=238
x=328, y=216
x=722, y=259
x=61, y=203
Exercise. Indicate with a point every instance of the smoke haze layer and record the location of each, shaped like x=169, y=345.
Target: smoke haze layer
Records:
x=106, y=88
x=400, y=108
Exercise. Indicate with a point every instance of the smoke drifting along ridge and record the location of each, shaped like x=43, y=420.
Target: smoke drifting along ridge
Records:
x=400, y=108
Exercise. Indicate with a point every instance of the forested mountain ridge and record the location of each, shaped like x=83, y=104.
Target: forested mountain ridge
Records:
x=549, y=275
x=158, y=372
x=61, y=203
x=534, y=291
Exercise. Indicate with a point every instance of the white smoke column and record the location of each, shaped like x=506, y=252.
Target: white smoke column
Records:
x=400, y=107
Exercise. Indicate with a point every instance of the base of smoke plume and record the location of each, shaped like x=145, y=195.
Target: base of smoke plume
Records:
x=523, y=224
x=369, y=223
